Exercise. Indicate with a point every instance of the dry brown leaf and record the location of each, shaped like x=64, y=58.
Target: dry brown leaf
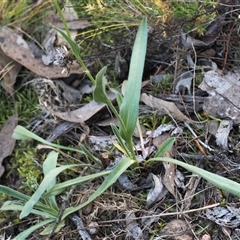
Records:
x=177, y=230
x=9, y=70
x=132, y=226
x=15, y=47
x=7, y=143
x=191, y=189
x=169, y=177
x=84, y=113
x=165, y=107
x=224, y=100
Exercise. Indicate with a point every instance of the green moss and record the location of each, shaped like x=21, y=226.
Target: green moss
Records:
x=29, y=171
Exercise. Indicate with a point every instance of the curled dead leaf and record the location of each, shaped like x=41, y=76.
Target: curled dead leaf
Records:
x=7, y=143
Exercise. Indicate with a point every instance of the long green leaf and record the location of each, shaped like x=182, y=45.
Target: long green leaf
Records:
x=109, y=180
x=90, y=155
x=17, y=206
x=26, y=233
x=24, y=198
x=42, y=187
x=13, y=193
x=58, y=188
x=130, y=104
x=49, y=164
x=219, y=181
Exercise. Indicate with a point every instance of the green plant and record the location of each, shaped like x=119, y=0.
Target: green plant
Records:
x=47, y=192
x=127, y=117
x=41, y=203
x=128, y=104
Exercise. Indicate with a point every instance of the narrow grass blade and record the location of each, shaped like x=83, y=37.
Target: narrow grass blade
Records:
x=166, y=146
x=109, y=180
x=90, y=155
x=42, y=187
x=130, y=104
x=55, y=3
x=219, y=181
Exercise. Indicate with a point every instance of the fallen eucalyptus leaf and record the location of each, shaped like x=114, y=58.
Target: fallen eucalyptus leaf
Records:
x=224, y=99
x=156, y=193
x=224, y=216
x=15, y=47
x=126, y=183
x=7, y=143
x=84, y=113
x=133, y=227
x=165, y=107
x=177, y=230
x=169, y=177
